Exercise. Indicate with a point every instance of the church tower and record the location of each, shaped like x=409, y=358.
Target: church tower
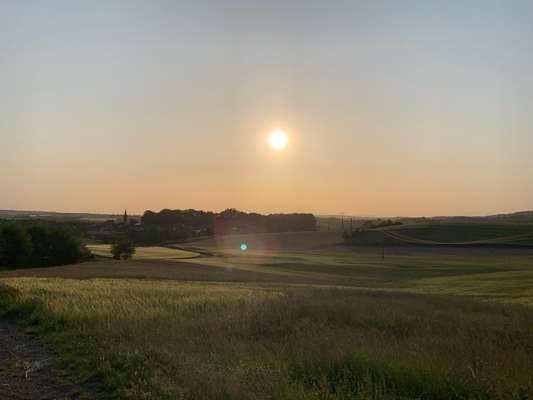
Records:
x=125, y=217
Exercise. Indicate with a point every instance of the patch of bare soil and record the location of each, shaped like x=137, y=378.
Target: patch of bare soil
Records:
x=28, y=371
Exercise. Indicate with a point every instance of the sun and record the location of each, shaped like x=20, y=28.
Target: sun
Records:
x=278, y=140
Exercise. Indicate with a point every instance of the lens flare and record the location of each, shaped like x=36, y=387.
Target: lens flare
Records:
x=244, y=247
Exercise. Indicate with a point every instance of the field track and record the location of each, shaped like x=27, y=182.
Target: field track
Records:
x=30, y=371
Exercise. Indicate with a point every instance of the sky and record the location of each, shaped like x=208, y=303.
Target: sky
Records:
x=392, y=108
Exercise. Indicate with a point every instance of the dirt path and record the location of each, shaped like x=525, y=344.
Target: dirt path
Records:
x=28, y=371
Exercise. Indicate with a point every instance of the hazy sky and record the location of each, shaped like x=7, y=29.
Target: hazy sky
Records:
x=392, y=107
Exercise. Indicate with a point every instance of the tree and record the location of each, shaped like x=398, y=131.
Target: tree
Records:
x=17, y=246
x=53, y=246
x=41, y=251
x=123, y=249
x=2, y=246
x=346, y=235
x=66, y=248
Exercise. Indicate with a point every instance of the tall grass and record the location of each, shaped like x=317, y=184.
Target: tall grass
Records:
x=163, y=339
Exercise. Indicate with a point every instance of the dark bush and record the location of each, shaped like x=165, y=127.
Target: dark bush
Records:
x=52, y=246
x=40, y=246
x=2, y=246
x=17, y=245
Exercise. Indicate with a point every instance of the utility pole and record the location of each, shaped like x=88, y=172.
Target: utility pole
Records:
x=383, y=248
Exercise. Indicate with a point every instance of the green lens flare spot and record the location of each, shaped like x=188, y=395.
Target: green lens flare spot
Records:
x=244, y=247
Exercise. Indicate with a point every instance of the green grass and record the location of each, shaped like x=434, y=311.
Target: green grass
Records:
x=145, y=252
x=508, y=286
x=273, y=242
x=505, y=276
x=478, y=233
x=171, y=340
x=281, y=321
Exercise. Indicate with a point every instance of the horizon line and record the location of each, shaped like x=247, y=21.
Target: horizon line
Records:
x=331, y=215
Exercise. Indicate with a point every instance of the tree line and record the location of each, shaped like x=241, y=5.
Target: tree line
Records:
x=23, y=246
x=176, y=224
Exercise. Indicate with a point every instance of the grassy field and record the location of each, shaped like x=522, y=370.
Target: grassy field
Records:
x=475, y=233
x=268, y=242
x=145, y=252
x=286, y=320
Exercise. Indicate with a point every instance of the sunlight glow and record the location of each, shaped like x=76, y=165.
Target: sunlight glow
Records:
x=278, y=140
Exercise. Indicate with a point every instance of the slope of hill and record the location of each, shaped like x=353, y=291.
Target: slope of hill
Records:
x=521, y=216
x=449, y=233
x=56, y=216
x=287, y=241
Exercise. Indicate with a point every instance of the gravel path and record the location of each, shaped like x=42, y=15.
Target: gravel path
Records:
x=28, y=371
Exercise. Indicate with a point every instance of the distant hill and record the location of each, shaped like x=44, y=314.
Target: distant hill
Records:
x=435, y=233
x=56, y=216
x=343, y=222
x=331, y=222
x=521, y=216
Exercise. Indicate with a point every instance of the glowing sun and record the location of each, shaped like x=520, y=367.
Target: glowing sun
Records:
x=278, y=140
